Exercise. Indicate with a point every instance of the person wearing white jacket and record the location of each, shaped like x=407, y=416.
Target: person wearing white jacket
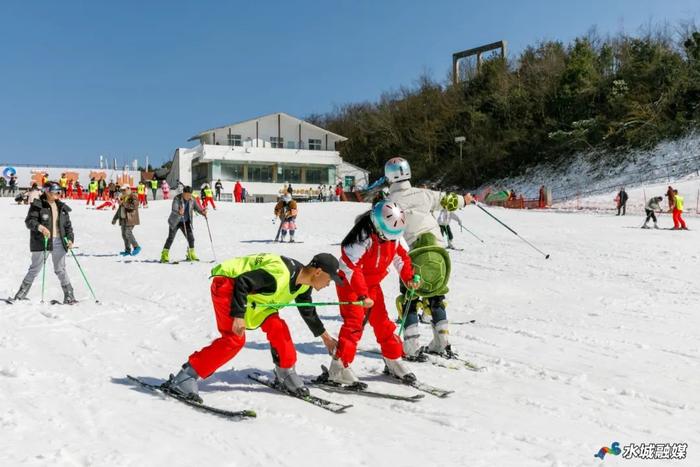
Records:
x=444, y=218
x=418, y=205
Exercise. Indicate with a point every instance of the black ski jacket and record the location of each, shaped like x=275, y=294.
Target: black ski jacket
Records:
x=40, y=214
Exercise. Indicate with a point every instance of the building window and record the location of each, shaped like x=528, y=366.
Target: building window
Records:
x=235, y=140
x=231, y=171
x=314, y=144
x=291, y=174
x=291, y=145
x=276, y=142
x=260, y=173
x=317, y=176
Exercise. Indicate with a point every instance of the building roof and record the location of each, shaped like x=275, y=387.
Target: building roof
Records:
x=303, y=122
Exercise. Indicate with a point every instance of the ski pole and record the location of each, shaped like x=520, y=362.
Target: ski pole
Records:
x=546, y=256
x=462, y=228
x=304, y=304
x=410, y=293
x=43, y=268
x=206, y=218
x=81, y=271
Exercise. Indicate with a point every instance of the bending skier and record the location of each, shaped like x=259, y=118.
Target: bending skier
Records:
x=240, y=289
x=652, y=205
x=373, y=244
x=286, y=210
x=49, y=224
x=426, y=250
x=180, y=219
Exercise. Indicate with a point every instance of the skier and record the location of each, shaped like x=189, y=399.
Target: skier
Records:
x=217, y=188
x=33, y=194
x=165, y=188
x=671, y=201
x=101, y=185
x=678, y=222
x=207, y=196
x=622, y=201
x=79, y=189
x=13, y=184
x=240, y=289
x=237, y=191
x=286, y=210
x=63, y=183
x=141, y=190
x=180, y=219
x=51, y=232
x=69, y=189
x=444, y=218
x=651, y=206
x=426, y=246
x=154, y=187
x=373, y=244
x=128, y=217
x=92, y=192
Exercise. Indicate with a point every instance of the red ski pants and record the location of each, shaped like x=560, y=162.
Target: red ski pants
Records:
x=354, y=320
x=91, y=197
x=678, y=221
x=221, y=350
x=208, y=200
x=143, y=200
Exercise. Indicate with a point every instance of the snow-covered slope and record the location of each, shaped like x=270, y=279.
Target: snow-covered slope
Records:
x=600, y=343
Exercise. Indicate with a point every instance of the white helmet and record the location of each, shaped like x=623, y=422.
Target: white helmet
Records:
x=388, y=219
x=397, y=169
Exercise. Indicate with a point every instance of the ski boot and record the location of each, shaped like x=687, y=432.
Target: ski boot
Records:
x=440, y=344
x=191, y=256
x=397, y=369
x=645, y=226
x=656, y=226
x=23, y=291
x=289, y=380
x=184, y=384
x=412, y=350
x=343, y=375
x=68, y=297
x=125, y=253
x=165, y=256
x=136, y=251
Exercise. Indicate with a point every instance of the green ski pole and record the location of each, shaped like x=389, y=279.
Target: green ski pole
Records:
x=81, y=271
x=43, y=268
x=410, y=293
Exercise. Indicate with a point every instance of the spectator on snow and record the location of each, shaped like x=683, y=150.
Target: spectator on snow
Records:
x=217, y=189
x=671, y=198
x=651, y=206
x=13, y=184
x=622, y=201
x=238, y=191
x=3, y=185
x=128, y=217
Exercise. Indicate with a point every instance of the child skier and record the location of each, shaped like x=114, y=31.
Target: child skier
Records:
x=286, y=210
x=240, y=289
x=373, y=244
x=652, y=205
x=181, y=215
x=141, y=191
x=678, y=222
x=444, y=218
x=207, y=196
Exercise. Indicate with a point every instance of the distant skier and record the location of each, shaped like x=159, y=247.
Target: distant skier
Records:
x=128, y=217
x=286, y=210
x=237, y=191
x=427, y=246
x=217, y=189
x=79, y=189
x=368, y=250
x=652, y=206
x=622, y=201
x=678, y=222
x=141, y=191
x=180, y=219
x=92, y=192
x=63, y=183
x=49, y=224
x=154, y=187
x=207, y=196
x=444, y=218
x=241, y=287
x=671, y=201
x=165, y=188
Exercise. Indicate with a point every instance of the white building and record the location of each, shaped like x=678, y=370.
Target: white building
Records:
x=264, y=153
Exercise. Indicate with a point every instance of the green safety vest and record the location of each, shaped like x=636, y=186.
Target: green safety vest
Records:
x=207, y=193
x=154, y=184
x=272, y=264
x=679, y=202
x=92, y=187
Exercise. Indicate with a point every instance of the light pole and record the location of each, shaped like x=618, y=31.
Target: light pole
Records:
x=460, y=140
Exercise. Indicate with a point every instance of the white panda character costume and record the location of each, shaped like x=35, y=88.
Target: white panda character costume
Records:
x=421, y=229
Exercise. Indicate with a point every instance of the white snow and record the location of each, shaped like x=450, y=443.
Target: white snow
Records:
x=600, y=343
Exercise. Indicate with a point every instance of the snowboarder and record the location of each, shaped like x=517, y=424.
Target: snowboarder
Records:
x=50, y=232
x=444, y=218
x=92, y=192
x=622, y=201
x=286, y=210
x=128, y=217
x=207, y=196
x=426, y=248
x=154, y=187
x=373, y=244
x=217, y=189
x=240, y=289
x=141, y=191
x=180, y=219
x=678, y=222
x=651, y=206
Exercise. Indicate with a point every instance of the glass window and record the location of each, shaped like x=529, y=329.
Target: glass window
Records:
x=291, y=174
x=314, y=144
x=276, y=142
x=260, y=173
x=317, y=176
x=291, y=145
x=231, y=171
x=235, y=140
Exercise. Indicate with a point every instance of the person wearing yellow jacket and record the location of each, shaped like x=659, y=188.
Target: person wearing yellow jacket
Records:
x=154, y=187
x=92, y=191
x=207, y=196
x=678, y=222
x=63, y=183
x=246, y=293
x=141, y=191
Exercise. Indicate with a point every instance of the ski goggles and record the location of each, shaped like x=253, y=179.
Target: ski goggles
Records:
x=52, y=188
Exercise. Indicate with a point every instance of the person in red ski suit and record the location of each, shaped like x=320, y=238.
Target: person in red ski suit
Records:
x=367, y=253
x=238, y=191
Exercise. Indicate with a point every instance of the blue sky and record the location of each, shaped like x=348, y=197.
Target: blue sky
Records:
x=129, y=79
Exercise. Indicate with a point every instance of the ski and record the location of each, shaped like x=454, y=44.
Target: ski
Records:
x=240, y=414
x=454, y=248
x=323, y=383
x=9, y=300
x=441, y=359
x=432, y=390
x=317, y=401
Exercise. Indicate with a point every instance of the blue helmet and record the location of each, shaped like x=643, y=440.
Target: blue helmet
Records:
x=388, y=219
x=397, y=169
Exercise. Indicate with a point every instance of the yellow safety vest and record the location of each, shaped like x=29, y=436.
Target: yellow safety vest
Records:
x=92, y=187
x=256, y=312
x=208, y=193
x=679, y=202
x=154, y=184
x=63, y=182
x=141, y=189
